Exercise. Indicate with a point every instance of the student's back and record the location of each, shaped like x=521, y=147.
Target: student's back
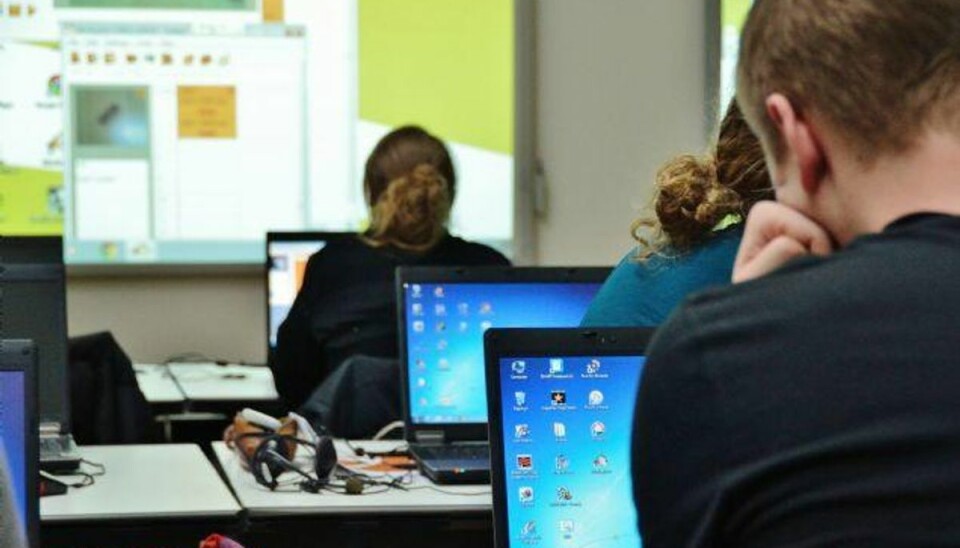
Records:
x=348, y=306
x=836, y=384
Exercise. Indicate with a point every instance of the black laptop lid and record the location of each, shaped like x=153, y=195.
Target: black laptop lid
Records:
x=19, y=506
x=561, y=413
x=443, y=313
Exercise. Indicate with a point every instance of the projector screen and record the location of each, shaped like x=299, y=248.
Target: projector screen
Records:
x=181, y=131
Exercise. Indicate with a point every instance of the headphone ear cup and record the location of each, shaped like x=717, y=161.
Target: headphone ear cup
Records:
x=264, y=470
x=326, y=458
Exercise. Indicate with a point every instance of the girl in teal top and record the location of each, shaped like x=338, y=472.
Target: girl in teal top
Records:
x=692, y=243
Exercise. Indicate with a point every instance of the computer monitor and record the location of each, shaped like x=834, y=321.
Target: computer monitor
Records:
x=287, y=257
x=33, y=306
x=443, y=315
x=561, y=420
x=19, y=510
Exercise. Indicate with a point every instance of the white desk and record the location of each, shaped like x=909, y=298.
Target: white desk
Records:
x=145, y=482
x=157, y=384
x=261, y=502
x=209, y=382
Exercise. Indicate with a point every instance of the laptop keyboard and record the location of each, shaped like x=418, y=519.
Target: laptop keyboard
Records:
x=454, y=452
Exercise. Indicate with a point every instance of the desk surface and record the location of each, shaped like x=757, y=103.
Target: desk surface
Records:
x=145, y=481
x=424, y=497
x=212, y=382
x=157, y=384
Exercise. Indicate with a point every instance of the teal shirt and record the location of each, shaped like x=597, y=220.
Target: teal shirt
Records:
x=644, y=293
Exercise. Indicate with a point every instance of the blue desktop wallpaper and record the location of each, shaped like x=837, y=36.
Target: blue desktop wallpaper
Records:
x=567, y=424
x=13, y=429
x=445, y=325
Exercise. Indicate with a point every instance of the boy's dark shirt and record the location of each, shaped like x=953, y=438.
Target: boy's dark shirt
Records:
x=817, y=406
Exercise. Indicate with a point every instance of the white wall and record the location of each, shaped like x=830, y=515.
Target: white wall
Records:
x=620, y=89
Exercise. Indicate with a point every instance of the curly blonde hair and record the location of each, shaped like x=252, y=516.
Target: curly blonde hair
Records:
x=695, y=195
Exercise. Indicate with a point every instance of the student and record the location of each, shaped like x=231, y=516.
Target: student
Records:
x=816, y=403
x=347, y=305
x=700, y=205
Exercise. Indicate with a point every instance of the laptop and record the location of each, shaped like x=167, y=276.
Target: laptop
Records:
x=561, y=420
x=443, y=314
x=19, y=489
x=34, y=307
x=286, y=263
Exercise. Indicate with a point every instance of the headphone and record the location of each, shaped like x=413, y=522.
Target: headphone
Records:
x=274, y=456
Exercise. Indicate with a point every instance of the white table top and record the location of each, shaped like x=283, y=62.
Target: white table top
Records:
x=424, y=497
x=145, y=481
x=212, y=382
x=157, y=384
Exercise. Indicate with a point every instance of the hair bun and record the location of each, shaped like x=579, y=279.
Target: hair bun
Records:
x=691, y=201
x=412, y=213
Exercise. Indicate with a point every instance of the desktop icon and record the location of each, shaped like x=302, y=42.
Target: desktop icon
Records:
x=421, y=365
x=419, y=326
x=521, y=398
x=417, y=309
x=464, y=327
x=421, y=382
x=601, y=463
x=521, y=431
x=562, y=463
x=566, y=528
x=442, y=345
x=440, y=309
x=564, y=494
x=439, y=292
x=441, y=327
x=526, y=495
x=558, y=397
x=559, y=430
x=595, y=398
x=518, y=367
x=485, y=325
x=463, y=309
x=556, y=366
x=525, y=462
x=593, y=367
x=486, y=309
x=416, y=290
x=598, y=429
x=529, y=529
x=443, y=364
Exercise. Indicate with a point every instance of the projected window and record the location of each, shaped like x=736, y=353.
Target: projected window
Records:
x=185, y=144
x=365, y=67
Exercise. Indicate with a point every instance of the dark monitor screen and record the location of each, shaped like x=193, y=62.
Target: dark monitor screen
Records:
x=33, y=306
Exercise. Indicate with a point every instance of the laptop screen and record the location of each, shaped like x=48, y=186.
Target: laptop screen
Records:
x=444, y=326
x=287, y=265
x=13, y=457
x=566, y=429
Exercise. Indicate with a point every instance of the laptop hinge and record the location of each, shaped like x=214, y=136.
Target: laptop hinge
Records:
x=429, y=437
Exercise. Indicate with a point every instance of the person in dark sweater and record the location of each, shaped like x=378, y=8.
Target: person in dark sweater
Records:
x=347, y=304
x=815, y=403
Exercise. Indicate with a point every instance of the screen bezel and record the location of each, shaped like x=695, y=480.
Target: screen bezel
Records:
x=290, y=237
x=463, y=275
x=533, y=343
x=21, y=356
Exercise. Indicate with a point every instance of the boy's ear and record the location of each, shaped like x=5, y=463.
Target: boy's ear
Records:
x=799, y=140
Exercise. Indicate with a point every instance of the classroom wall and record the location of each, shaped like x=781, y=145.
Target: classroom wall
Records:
x=620, y=88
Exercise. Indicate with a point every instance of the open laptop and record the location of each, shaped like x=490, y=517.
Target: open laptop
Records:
x=561, y=419
x=286, y=263
x=34, y=307
x=443, y=314
x=19, y=489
